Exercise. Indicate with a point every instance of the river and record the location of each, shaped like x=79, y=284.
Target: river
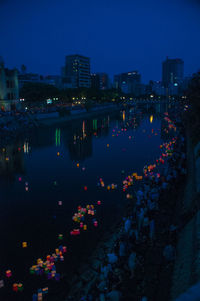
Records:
x=46, y=175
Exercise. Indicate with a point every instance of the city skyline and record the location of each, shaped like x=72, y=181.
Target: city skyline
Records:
x=117, y=37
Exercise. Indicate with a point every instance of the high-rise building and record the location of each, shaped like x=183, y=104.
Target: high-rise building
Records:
x=95, y=81
x=76, y=72
x=172, y=72
x=100, y=81
x=128, y=82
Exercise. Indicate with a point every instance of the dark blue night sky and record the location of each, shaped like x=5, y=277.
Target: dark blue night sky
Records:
x=118, y=35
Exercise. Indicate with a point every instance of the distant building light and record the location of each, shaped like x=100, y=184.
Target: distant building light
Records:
x=175, y=84
x=49, y=101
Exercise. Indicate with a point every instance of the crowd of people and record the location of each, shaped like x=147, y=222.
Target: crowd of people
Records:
x=148, y=225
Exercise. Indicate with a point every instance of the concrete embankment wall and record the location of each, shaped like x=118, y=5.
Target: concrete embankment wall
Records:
x=187, y=264
x=55, y=120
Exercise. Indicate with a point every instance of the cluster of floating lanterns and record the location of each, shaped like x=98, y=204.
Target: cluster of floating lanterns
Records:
x=129, y=181
x=167, y=148
x=48, y=266
x=112, y=186
x=108, y=187
x=17, y=287
x=79, y=218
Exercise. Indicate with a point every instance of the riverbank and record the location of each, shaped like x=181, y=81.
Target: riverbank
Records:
x=14, y=125
x=49, y=121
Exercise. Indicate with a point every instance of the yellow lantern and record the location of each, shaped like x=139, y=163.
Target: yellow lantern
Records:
x=24, y=244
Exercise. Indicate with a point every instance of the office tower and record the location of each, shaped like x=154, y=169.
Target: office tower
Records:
x=100, y=81
x=128, y=82
x=172, y=72
x=76, y=72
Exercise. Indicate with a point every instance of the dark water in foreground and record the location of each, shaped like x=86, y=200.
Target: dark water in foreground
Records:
x=102, y=147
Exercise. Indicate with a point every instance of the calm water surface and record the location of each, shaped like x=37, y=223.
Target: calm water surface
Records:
x=46, y=163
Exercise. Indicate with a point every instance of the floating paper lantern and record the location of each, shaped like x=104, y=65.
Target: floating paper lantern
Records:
x=15, y=287
x=40, y=297
x=24, y=244
x=20, y=179
x=85, y=227
x=20, y=287
x=77, y=164
x=85, y=188
x=95, y=223
x=8, y=273
x=45, y=290
x=58, y=154
x=108, y=145
x=98, y=202
x=60, y=203
x=60, y=236
x=75, y=232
